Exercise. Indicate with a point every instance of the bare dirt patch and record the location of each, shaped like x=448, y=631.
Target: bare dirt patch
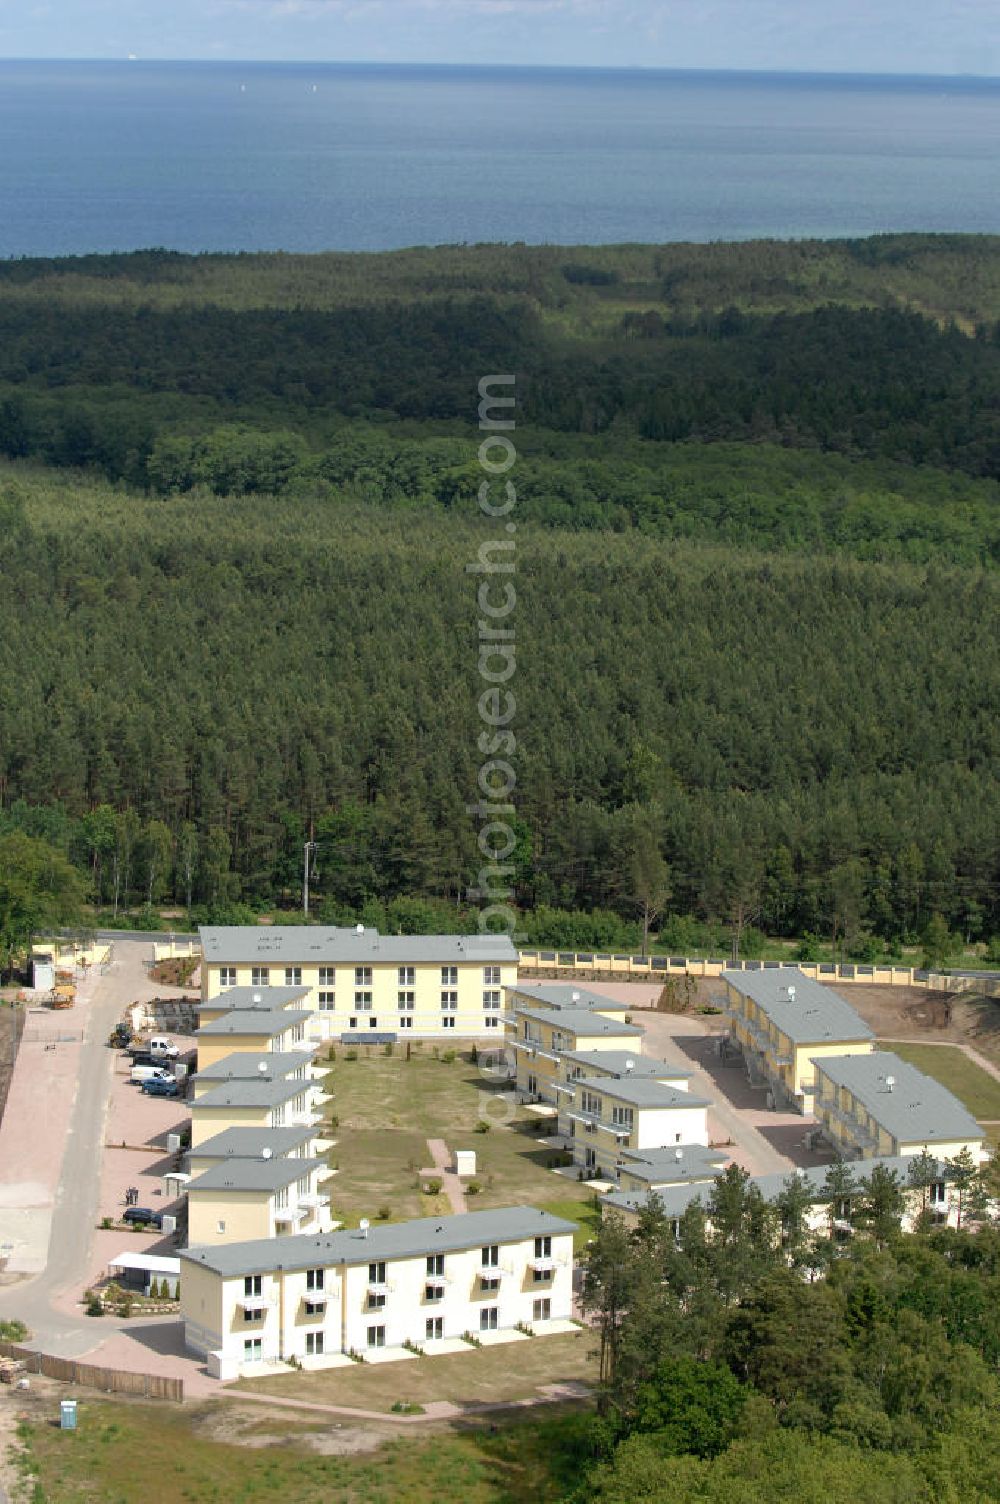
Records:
x=246, y=1426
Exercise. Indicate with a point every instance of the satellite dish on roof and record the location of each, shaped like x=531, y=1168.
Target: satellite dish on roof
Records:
x=629, y=1066
x=257, y=998
x=678, y=1153
x=575, y=995
x=363, y=1227
x=359, y=929
x=791, y=993
x=262, y=1067
x=266, y=1152
x=890, y=1082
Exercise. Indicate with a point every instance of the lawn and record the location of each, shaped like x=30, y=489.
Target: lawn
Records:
x=509, y=1371
x=970, y=1083
x=387, y=1108
x=125, y=1453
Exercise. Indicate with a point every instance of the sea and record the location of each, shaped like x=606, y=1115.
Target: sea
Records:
x=113, y=156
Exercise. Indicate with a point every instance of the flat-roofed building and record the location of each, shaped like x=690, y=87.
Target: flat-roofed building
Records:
x=879, y=1104
x=555, y=995
x=264, y=1103
x=250, y=1143
x=361, y=984
x=784, y=1022
x=654, y=1169
x=607, y=1116
x=253, y=1031
x=250, y=1000
x=255, y=1065
x=540, y=1036
x=270, y=1197
x=940, y=1197
x=371, y=1290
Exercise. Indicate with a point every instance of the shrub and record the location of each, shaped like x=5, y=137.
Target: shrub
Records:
x=13, y=1331
x=474, y=1056
x=94, y=1304
x=350, y=1054
x=383, y=1214
x=449, y=1057
x=473, y=1188
x=482, y=1126
x=124, y=1307
x=408, y=1407
x=107, y=1222
x=333, y=1121
x=471, y=1339
x=387, y=1050
x=431, y=1187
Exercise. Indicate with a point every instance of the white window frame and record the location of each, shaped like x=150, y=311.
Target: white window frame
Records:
x=406, y=1001
x=327, y=1002
x=406, y=976
x=293, y=976
x=449, y=976
x=260, y=976
x=364, y=1002
x=491, y=976
x=362, y=976
x=227, y=976
x=328, y=976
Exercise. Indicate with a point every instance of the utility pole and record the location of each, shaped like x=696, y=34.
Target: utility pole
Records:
x=307, y=850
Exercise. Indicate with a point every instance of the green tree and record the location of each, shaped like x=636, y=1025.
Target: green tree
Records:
x=39, y=890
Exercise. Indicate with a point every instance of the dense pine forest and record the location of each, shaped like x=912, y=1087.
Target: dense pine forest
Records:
x=759, y=524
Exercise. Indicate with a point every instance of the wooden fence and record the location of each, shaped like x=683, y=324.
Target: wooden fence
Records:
x=589, y=964
x=150, y=1386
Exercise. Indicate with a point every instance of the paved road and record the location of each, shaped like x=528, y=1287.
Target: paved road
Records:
x=78, y=1195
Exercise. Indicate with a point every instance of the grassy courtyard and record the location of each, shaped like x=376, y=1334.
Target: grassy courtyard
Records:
x=388, y=1107
x=508, y=1372
x=953, y=1068
x=126, y=1453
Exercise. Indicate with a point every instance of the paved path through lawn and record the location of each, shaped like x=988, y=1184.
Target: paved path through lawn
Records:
x=450, y=1183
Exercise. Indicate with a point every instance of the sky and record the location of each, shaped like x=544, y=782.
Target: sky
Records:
x=865, y=36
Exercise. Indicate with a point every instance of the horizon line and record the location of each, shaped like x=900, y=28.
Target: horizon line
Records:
x=520, y=67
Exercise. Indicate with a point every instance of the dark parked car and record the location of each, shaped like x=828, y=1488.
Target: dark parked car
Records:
x=142, y=1216
x=156, y=1086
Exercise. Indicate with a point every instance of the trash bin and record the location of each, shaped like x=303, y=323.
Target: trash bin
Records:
x=67, y=1415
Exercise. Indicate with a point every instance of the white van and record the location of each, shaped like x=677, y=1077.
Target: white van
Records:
x=162, y=1047
x=141, y=1073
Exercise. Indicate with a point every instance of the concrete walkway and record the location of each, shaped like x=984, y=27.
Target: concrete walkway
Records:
x=450, y=1183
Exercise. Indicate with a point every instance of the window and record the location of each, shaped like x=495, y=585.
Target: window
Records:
x=376, y=1273
x=373, y=1022
x=405, y=1021
x=314, y=1344
x=293, y=976
x=376, y=1300
x=532, y=1083
x=220, y=1226
x=492, y=1023
x=362, y=976
x=542, y=1276
x=281, y=1198
x=376, y=1336
x=227, y=976
x=488, y=1319
x=435, y=1263
x=302, y=1186
x=328, y=976
x=938, y=1193
x=407, y=1001
x=252, y=1349
x=622, y=1117
x=278, y=1115
x=298, y=1033
x=363, y=1002
x=434, y=1292
x=315, y=1308
x=590, y=1103
x=448, y=1021
x=491, y=999
x=407, y=976
x=491, y=976
x=543, y=1247
x=491, y=1256
x=327, y=1001
x=449, y=976
x=449, y=1000
x=541, y=1310
x=252, y=1284
x=260, y=976
x=353, y=1023
x=434, y=1328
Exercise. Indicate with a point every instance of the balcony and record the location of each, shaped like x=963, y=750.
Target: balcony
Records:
x=315, y=1201
x=254, y=1307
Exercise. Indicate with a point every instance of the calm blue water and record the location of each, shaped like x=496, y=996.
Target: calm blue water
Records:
x=112, y=156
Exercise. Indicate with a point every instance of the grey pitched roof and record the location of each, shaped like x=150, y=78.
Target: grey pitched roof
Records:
x=386, y=1240
x=627, y=1063
x=248, y=998
x=675, y=1199
x=815, y=1015
x=918, y=1109
x=564, y=995
x=267, y=1092
x=640, y=1093
x=255, y=1022
x=673, y=1166
x=328, y=945
x=245, y=1065
x=254, y=1174
x=247, y=1143
x=580, y=1021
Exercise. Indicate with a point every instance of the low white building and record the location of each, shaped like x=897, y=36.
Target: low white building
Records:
x=370, y=1291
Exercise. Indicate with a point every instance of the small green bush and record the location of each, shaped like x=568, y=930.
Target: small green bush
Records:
x=383, y=1214
x=473, y=1188
x=483, y=1126
x=449, y=1057
x=431, y=1187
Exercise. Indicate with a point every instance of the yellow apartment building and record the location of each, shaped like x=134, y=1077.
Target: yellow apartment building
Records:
x=270, y=1197
x=539, y=1037
x=370, y=1290
x=251, y=1065
x=784, y=1022
x=267, y=1103
x=878, y=1104
x=363, y=987
x=255, y=1032
x=252, y=1000
x=609, y=1115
